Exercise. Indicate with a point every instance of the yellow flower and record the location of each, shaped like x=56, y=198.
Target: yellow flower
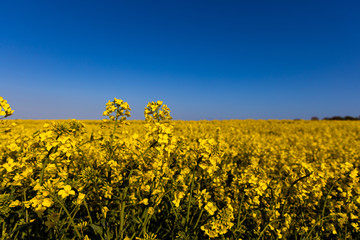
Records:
x=13, y=147
x=15, y=203
x=356, y=226
x=211, y=208
x=178, y=196
x=104, y=211
x=47, y=202
x=145, y=201
x=82, y=224
x=9, y=165
x=151, y=210
x=119, y=107
x=108, y=192
x=66, y=192
x=118, y=101
x=7, y=109
x=80, y=198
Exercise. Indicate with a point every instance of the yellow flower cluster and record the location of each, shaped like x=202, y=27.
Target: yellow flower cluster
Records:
x=161, y=179
x=5, y=109
x=117, y=109
x=156, y=111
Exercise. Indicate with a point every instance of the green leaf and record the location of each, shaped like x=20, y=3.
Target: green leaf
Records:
x=97, y=229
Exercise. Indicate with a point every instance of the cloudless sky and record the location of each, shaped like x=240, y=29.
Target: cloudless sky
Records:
x=205, y=59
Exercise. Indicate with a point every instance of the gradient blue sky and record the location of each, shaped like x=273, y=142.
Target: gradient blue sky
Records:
x=205, y=59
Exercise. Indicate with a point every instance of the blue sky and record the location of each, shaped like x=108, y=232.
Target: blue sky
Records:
x=204, y=59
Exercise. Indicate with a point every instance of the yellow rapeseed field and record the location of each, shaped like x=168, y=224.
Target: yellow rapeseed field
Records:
x=164, y=179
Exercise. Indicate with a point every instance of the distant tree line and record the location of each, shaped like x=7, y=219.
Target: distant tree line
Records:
x=337, y=118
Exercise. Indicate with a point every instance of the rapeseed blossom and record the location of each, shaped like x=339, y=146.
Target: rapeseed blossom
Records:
x=117, y=109
x=5, y=109
x=191, y=180
x=66, y=191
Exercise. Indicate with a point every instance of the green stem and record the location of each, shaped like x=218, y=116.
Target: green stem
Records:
x=324, y=207
x=189, y=203
x=26, y=211
x=312, y=229
x=44, y=166
x=122, y=216
x=111, y=148
x=197, y=222
x=69, y=216
x=288, y=192
x=267, y=225
x=122, y=208
x=240, y=206
x=87, y=209
x=147, y=218
x=113, y=133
